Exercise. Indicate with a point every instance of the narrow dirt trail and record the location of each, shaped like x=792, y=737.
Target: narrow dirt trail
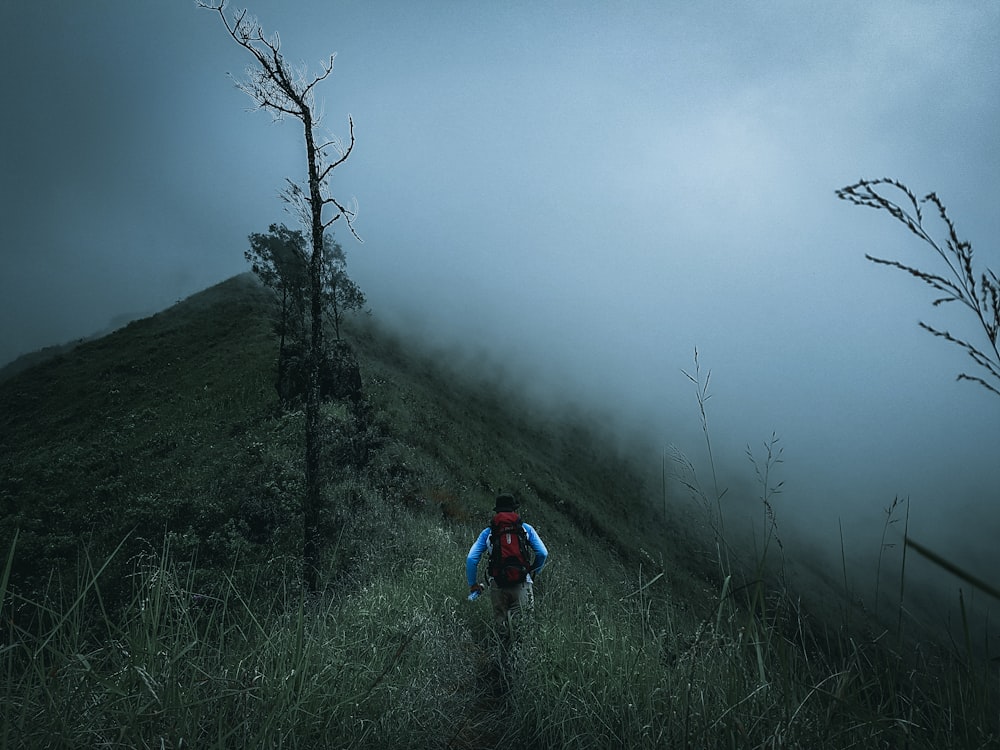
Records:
x=488, y=722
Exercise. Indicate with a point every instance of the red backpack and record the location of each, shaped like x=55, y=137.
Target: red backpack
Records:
x=510, y=553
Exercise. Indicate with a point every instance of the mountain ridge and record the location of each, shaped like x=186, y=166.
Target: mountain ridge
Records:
x=152, y=486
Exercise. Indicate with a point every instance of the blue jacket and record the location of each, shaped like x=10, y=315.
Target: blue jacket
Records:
x=482, y=546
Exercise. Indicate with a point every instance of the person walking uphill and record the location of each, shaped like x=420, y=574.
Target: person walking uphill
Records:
x=508, y=543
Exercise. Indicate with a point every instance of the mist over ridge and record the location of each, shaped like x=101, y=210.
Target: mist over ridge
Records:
x=572, y=200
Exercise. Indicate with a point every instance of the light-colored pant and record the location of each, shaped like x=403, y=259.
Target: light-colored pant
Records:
x=508, y=601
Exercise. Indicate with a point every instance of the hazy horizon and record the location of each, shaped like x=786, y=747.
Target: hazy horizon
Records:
x=572, y=196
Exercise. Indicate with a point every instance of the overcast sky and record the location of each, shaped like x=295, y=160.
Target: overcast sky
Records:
x=583, y=192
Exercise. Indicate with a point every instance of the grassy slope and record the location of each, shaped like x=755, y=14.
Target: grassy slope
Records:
x=194, y=633
x=130, y=431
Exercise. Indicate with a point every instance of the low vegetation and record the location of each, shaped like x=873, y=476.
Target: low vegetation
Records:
x=152, y=592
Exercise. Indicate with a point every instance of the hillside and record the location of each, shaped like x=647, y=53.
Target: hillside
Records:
x=150, y=488
x=31, y=359
x=172, y=424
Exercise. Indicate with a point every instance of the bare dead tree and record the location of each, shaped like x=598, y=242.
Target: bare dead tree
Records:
x=275, y=86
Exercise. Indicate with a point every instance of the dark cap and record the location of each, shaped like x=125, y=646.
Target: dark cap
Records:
x=506, y=503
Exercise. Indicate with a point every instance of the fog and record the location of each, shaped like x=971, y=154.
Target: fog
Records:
x=575, y=194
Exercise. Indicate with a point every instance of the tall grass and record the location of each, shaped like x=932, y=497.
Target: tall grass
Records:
x=596, y=670
x=634, y=640
x=606, y=660
x=702, y=395
x=177, y=668
x=792, y=680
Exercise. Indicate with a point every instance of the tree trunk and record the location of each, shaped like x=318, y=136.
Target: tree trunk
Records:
x=282, y=355
x=314, y=484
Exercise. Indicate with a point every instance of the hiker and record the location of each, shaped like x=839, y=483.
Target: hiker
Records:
x=508, y=543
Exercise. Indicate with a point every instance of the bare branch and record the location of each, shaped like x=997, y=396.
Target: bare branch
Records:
x=344, y=155
x=327, y=69
x=274, y=86
x=348, y=215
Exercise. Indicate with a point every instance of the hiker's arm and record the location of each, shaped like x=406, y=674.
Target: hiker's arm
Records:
x=475, y=553
x=541, y=553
